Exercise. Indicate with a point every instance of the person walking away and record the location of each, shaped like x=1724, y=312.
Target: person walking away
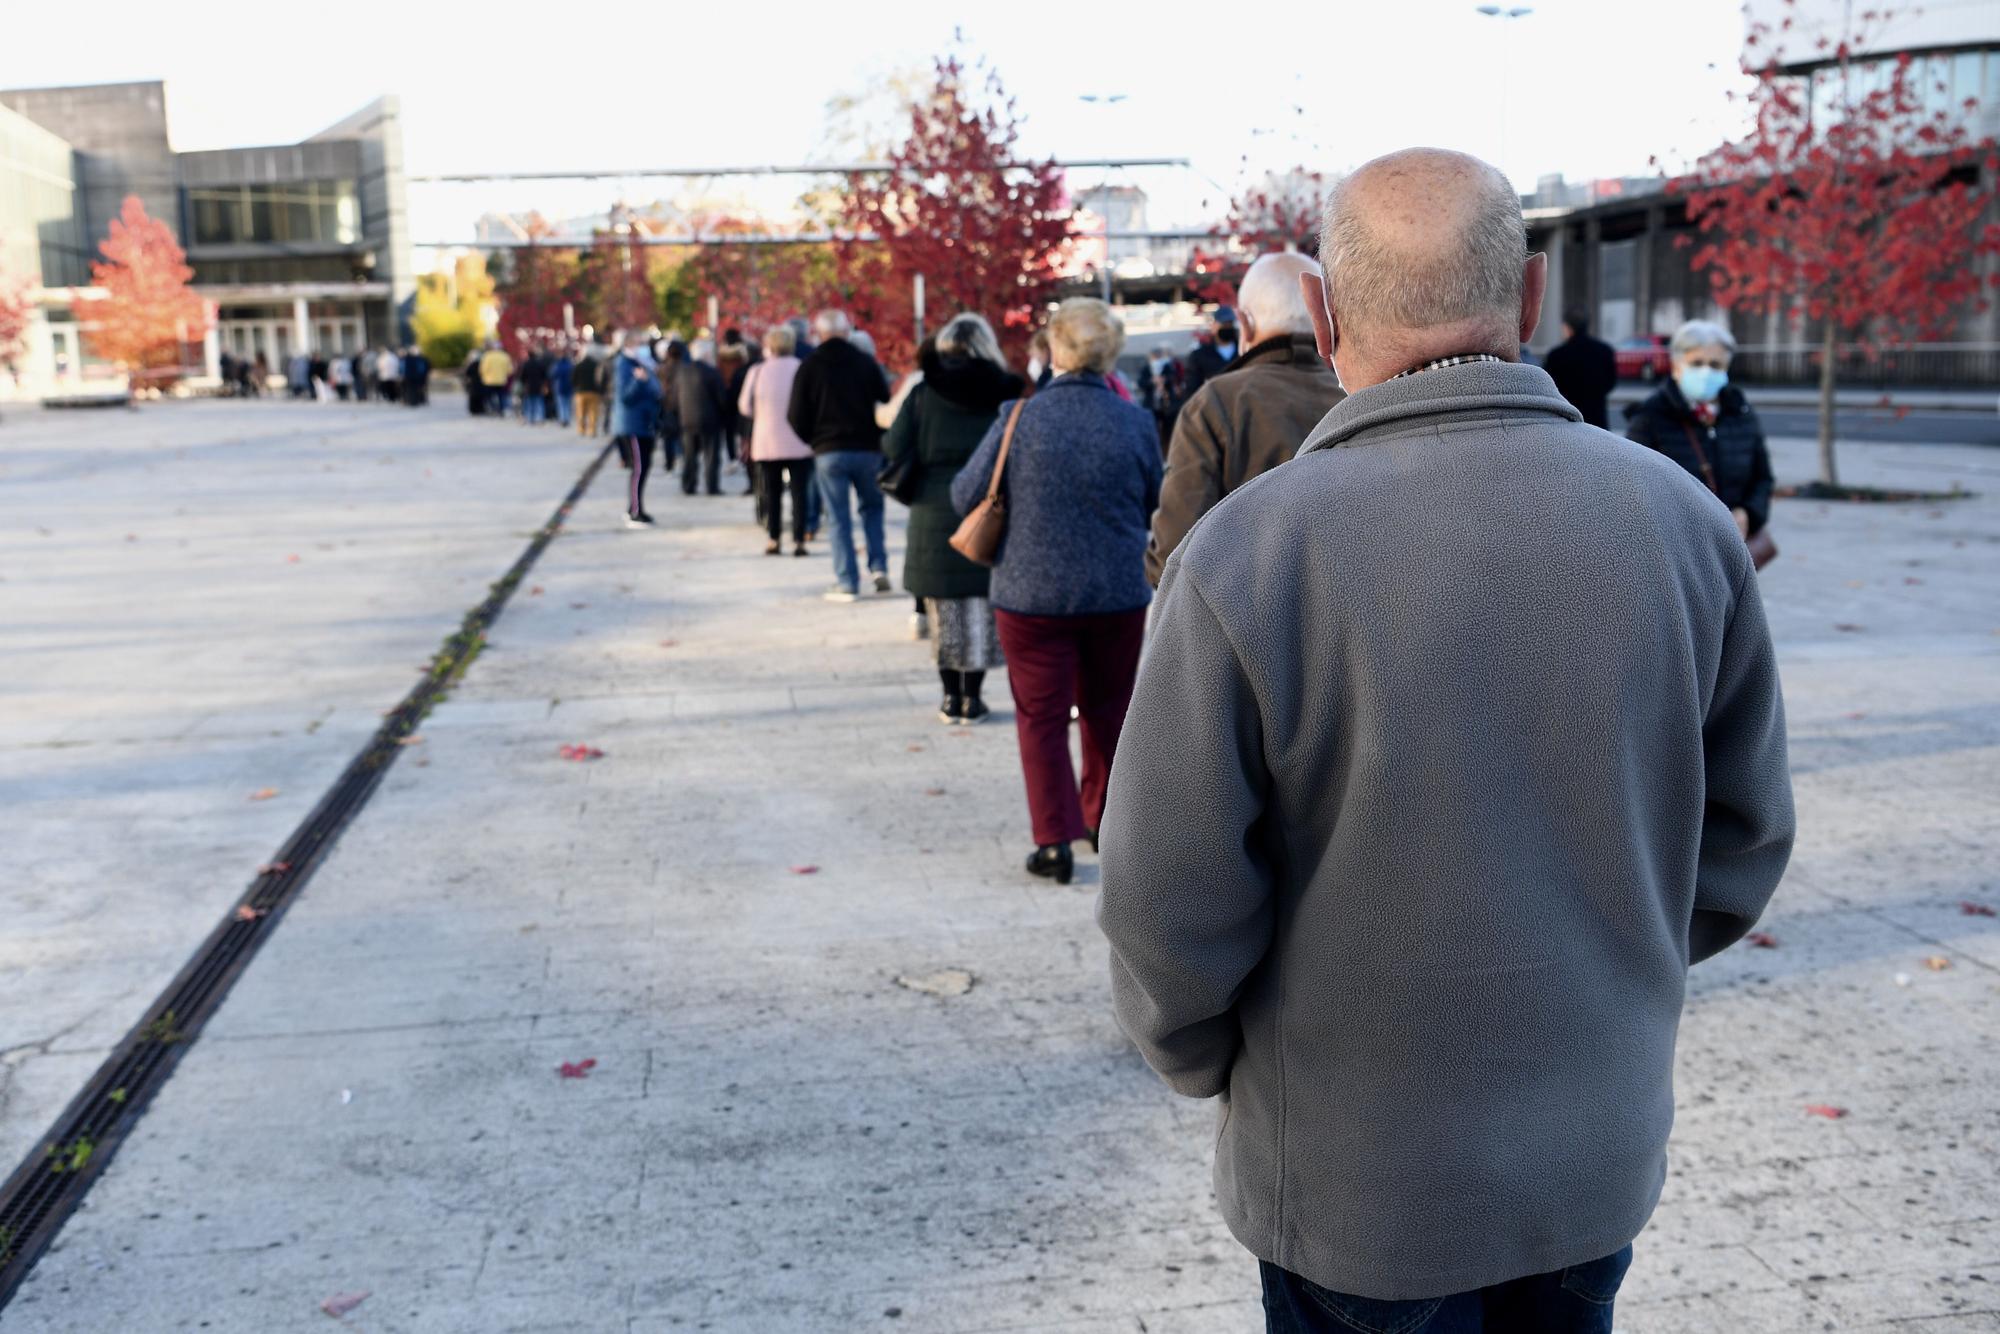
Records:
x=1069, y=590
x=475, y=392
x=1459, y=737
x=1039, y=372
x=1244, y=423
x=416, y=377
x=1212, y=355
x=635, y=411
x=340, y=374
x=562, y=384
x=389, y=375
x=780, y=457
x=700, y=396
x=1161, y=391
x=668, y=354
x=1705, y=424
x=833, y=410
x=944, y=418
x=533, y=382
x=588, y=381
x=496, y=368
x=1585, y=370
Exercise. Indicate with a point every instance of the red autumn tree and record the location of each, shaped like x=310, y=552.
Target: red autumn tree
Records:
x=16, y=308
x=612, y=286
x=1281, y=212
x=755, y=283
x=537, y=285
x=985, y=231
x=1854, y=206
x=148, y=310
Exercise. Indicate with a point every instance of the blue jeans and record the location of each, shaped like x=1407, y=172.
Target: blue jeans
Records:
x=840, y=470
x=496, y=400
x=532, y=406
x=1576, y=1300
x=565, y=406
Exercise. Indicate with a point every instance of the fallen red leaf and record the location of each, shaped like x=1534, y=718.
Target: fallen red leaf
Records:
x=578, y=606
x=1908, y=580
x=1846, y=628
x=413, y=739
x=274, y=868
x=913, y=749
x=1856, y=716
x=669, y=643
x=535, y=592
x=246, y=913
x=580, y=752
x=1971, y=909
x=1937, y=963
x=264, y=794
x=934, y=792
x=805, y=870
x=577, y=1069
x=1822, y=1109
x=341, y=1303
x=1763, y=940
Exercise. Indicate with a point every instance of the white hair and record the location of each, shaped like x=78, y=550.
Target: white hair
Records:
x=969, y=335
x=1476, y=275
x=1270, y=297
x=1696, y=334
x=832, y=324
x=703, y=350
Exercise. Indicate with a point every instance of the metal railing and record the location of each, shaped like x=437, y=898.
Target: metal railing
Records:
x=1918, y=365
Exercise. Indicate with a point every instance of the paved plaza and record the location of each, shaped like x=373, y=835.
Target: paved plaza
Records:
x=754, y=912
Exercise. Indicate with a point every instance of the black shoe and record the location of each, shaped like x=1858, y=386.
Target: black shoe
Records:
x=974, y=710
x=800, y=550
x=1093, y=840
x=1053, y=861
x=952, y=710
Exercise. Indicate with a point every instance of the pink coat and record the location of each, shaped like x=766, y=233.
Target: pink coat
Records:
x=766, y=397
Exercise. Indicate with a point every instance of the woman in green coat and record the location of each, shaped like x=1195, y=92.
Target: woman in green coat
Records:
x=941, y=424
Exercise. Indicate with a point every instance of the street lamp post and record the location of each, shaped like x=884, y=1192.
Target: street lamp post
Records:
x=1505, y=13
x=1104, y=187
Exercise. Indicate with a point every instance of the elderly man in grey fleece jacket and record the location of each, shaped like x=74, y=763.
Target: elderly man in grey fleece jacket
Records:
x=1459, y=738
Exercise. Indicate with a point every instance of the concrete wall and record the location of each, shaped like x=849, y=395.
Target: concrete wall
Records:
x=378, y=128
x=119, y=132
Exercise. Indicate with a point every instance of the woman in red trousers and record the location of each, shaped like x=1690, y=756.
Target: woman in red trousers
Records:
x=1069, y=589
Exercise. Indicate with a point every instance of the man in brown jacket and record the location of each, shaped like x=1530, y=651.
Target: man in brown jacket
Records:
x=1250, y=419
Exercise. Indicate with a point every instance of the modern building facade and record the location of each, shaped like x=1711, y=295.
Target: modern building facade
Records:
x=1621, y=250
x=296, y=247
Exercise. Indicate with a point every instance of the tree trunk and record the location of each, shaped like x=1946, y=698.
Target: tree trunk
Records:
x=1829, y=473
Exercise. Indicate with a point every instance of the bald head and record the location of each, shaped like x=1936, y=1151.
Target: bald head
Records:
x=1270, y=301
x=1426, y=256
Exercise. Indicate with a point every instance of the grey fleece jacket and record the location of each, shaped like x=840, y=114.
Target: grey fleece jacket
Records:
x=1458, y=739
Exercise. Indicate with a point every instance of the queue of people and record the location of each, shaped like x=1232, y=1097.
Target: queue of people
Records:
x=382, y=375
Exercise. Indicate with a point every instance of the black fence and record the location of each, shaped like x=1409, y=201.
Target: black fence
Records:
x=1921, y=365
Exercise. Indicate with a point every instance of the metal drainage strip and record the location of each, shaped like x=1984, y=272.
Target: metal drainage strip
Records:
x=43, y=1191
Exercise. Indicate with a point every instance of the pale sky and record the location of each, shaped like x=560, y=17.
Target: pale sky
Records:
x=1585, y=87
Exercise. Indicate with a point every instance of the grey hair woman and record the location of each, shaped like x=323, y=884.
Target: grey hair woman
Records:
x=946, y=414
x=1704, y=423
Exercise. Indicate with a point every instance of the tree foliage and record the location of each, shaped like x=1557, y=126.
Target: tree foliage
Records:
x=17, y=307
x=1856, y=210
x=1280, y=212
x=987, y=232
x=538, y=282
x=450, y=317
x=148, y=309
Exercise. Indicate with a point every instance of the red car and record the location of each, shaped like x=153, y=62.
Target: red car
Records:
x=1643, y=358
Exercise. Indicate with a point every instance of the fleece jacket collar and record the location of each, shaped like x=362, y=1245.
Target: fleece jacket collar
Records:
x=1482, y=389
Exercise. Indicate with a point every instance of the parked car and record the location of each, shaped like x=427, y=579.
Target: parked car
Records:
x=1643, y=358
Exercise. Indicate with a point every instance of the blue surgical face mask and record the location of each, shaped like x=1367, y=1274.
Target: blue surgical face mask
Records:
x=1701, y=383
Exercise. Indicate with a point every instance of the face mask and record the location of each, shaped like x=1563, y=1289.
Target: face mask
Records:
x=1034, y=368
x=1228, y=350
x=1701, y=383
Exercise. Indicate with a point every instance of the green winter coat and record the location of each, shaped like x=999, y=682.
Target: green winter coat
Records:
x=942, y=422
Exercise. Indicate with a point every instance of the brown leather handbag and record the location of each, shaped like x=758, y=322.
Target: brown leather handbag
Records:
x=1762, y=546
x=979, y=533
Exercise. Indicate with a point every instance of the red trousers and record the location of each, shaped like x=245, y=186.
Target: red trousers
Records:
x=1054, y=662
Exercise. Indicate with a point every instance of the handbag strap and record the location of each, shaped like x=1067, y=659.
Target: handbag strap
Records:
x=1006, y=443
x=1701, y=456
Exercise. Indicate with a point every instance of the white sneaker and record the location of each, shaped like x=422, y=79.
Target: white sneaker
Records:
x=920, y=626
x=839, y=594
